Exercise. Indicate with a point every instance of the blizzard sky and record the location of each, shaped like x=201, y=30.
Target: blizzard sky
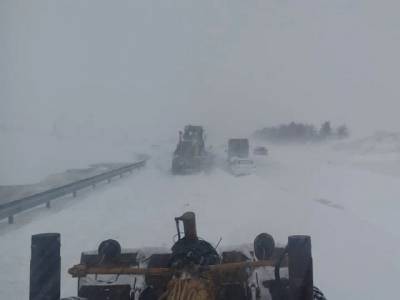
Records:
x=232, y=65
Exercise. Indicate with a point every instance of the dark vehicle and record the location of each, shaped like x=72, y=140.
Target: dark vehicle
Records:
x=260, y=151
x=239, y=163
x=191, y=270
x=238, y=148
x=190, y=155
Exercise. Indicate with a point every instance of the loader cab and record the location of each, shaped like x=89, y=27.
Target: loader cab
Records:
x=192, y=131
x=195, y=134
x=185, y=149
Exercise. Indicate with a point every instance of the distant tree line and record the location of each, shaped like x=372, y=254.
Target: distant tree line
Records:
x=300, y=132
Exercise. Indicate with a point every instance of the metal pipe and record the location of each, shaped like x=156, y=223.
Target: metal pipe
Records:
x=83, y=270
x=189, y=225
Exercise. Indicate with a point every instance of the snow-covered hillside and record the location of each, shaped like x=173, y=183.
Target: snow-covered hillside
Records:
x=351, y=214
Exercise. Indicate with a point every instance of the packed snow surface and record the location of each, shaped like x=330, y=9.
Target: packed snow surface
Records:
x=350, y=211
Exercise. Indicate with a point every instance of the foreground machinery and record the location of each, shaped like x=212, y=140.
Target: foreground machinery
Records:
x=191, y=270
x=190, y=155
x=239, y=162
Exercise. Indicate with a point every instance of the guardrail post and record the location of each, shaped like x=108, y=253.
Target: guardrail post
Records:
x=10, y=219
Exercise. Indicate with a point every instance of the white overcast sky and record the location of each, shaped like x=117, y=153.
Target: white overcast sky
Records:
x=231, y=65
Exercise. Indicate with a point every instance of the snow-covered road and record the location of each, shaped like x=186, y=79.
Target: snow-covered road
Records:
x=351, y=214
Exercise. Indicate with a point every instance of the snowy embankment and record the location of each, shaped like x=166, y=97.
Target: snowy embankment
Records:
x=350, y=213
x=29, y=157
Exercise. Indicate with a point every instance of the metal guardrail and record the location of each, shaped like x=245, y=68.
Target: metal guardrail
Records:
x=10, y=209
